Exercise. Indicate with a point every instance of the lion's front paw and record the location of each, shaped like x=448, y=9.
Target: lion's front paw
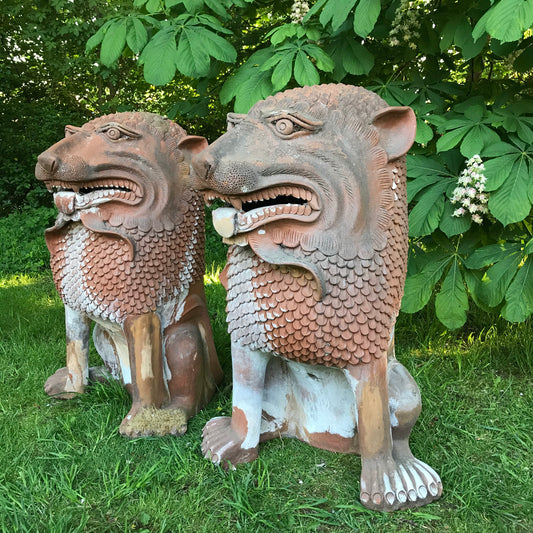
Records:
x=60, y=385
x=149, y=421
x=222, y=445
x=388, y=484
x=422, y=482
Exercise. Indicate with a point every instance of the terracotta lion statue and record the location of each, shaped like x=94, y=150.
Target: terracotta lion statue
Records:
x=314, y=183
x=126, y=253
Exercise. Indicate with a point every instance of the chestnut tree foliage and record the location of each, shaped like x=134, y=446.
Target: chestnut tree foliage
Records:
x=464, y=66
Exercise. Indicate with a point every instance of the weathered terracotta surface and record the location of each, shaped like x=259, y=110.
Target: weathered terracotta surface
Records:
x=315, y=183
x=127, y=253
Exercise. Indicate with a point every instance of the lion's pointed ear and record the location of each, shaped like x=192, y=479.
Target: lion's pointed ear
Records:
x=193, y=144
x=397, y=130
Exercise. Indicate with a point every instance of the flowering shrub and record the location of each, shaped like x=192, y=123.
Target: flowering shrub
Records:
x=470, y=194
x=298, y=11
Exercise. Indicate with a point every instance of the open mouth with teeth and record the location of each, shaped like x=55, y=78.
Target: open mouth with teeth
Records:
x=71, y=196
x=246, y=212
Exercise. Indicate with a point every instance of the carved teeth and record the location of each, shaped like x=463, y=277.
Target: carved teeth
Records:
x=313, y=203
x=236, y=203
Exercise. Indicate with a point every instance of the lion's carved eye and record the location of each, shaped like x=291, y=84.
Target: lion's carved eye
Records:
x=288, y=126
x=117, y=132
x=114, y=134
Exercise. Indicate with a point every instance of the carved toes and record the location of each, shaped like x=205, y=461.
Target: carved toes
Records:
x=387, y=485
x=222, y=445
x=60, y=385
x=422, y=482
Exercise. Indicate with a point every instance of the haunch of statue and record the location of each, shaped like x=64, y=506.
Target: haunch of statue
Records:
x=315, y=183
x=127, y=253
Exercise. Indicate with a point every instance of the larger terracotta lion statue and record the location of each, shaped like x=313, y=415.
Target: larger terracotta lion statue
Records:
x=126, y=253
x=316, y=217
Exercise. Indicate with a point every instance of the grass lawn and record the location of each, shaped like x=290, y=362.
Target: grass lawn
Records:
x=65, y=468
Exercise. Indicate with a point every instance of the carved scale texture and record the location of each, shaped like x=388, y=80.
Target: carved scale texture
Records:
x=276, y=308
x=94, y=274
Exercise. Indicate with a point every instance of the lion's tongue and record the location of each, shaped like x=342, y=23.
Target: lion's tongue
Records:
x=65, y=201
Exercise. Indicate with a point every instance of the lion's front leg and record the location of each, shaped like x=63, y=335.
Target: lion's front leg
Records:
x=148, y=387
x=235, y=439
x=390, y=478
x=72, y=379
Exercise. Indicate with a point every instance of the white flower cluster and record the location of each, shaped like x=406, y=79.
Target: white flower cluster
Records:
x=470, y=193
x=298, y=11
x=406, y=23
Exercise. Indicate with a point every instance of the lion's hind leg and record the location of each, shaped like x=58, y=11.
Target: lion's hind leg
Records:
x=68, y=381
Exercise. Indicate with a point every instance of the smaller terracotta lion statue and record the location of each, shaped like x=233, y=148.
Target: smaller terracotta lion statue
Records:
x=315, y=185
x=126, y=253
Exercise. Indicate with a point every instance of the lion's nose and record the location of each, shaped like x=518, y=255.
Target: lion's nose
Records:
x=48, y=161
x=202, y=164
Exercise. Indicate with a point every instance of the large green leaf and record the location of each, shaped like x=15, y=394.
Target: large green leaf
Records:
x=249, y=83
x=365, y=16
x=497, y=278
x=451, y=303
x=97, y=38
x=510, y=202
x=473, y=142
x=524, y=62
x=426, y=214
x=506, y=21
x=113, y=42
x=419, y=184
x=137, y=36
x=283, y=71
x=498, y=149
x=424, y=133
x=278, y=35
x=419, y=288
x=192, y=57
x=337, y=12
x=464, y=40
x=420, y=165
x=451, y=225
x=476, y=139
x=492, y=253
x=215, y=45
x=519, y=296
x=218, y=8
x=497, y=170
x=305, y=72
x=323, y=61
x=159, y=57
x=357, y=60
x=211, y=22
x=452, y=138
x=154, y=6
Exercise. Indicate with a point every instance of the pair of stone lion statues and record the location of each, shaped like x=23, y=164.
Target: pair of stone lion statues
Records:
x=313, y=183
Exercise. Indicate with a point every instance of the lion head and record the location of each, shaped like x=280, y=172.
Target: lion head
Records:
x=309, y=169
x=119, y=172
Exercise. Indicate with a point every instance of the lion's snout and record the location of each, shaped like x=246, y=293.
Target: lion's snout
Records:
x=48, y=161
x=224, y=175
x=70, y=168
